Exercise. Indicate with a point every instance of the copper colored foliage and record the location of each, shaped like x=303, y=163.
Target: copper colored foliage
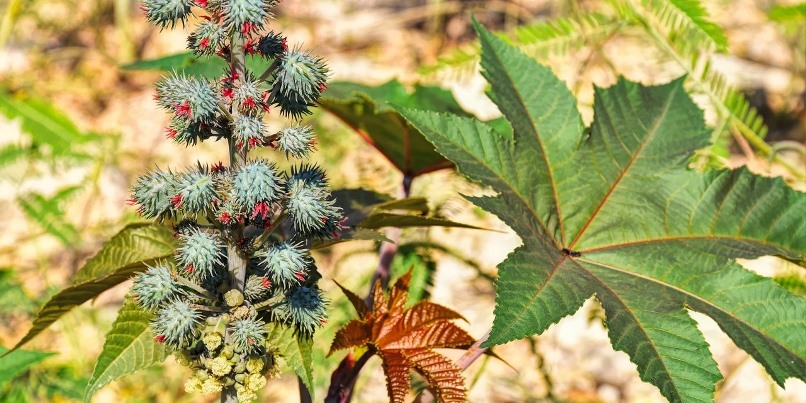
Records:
x=404, y=339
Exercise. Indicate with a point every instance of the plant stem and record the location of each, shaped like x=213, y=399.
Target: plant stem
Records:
x=235, y=262
x=389, y=249
x=341, y=390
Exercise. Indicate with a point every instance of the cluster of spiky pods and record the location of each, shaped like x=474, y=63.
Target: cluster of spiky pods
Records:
x=245, y=229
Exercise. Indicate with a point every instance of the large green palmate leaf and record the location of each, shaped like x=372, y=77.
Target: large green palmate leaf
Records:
x=127, y=253
x=129, y=347
x=367, y=110
x=615, y=213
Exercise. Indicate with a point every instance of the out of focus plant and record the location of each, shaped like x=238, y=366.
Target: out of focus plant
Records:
x=680, y=32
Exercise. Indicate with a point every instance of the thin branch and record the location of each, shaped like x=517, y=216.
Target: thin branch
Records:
x=342, y=392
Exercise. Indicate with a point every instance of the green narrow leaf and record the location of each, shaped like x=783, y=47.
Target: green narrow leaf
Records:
x=129, y=347
x=689, y=19
x=15, y=362
x=127, y=253
x=614, y=213
x=381, y=220
x=11, y=153
x=47, y=126
x=189, y=64
x=295, y=348
x=788, y=12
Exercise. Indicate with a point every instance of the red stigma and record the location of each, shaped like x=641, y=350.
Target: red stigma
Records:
x=160, y=338
x=261, y=209
x=300, y=276
x=131, y=201
x=265, y=282
x=205, y=43
x=177, y=200
x=250, y=102
x=248, y=27
x=202, y=3
x=189, y=268
x=322, y=87
x=170, y=133
x=184, y=110
x=254, y=142
x=250, y=47
x=250, y=342
x=228, y=92
x=225, y=218
x=218, y=167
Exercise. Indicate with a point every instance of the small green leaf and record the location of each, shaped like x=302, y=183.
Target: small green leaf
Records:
x=15, y=362
x=129, y=347
x=296, y=349
x=125, y=254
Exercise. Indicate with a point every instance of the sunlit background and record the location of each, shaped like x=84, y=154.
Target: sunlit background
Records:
x=78, y=124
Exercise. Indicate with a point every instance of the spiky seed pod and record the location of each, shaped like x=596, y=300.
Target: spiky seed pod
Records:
x=155, y=287
x=207, y=39
x=296, y=141
x=310, y=207
x=248, y=334
x=186, y=132
x=214, y=7
x=201, y=253
x=249, y=97
x=308, y=175
x=256, y=288
x=188, y=97
x=305, y=307
x=273, y=45
x=176, y=324
x=153, y=192
x=299, y=81
x=166, y=13
x=256, y=182
x=196, y=192
x=246, y=16
x=249, y=131
x=285, y=263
